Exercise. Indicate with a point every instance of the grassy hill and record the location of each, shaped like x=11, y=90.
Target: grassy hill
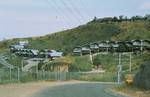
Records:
x=95, y=30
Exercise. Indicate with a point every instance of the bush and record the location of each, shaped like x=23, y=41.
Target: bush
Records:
x=142, y=79
x=82, y=63
x=96, y=61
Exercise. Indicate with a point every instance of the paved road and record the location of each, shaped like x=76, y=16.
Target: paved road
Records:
x=78, y=90
x=5, y=63
x=30, y=64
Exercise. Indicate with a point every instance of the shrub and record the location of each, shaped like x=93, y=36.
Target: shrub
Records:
x=142, y=79
x=82, y=63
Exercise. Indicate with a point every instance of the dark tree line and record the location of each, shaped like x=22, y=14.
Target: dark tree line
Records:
x=121, y=18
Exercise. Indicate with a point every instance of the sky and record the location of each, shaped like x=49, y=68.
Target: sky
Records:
x=26, y=18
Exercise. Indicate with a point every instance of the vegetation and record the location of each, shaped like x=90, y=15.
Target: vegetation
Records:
x=142, y=79
x=104, y=77
x=131, y=91
x=108, y=28
x=81, y=63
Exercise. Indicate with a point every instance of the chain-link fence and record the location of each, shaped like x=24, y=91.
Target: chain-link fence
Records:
x=9, y=75
x=16, y=75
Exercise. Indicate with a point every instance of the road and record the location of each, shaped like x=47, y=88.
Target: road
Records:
x=30, y=64
x=5, y=63
x=78, y=90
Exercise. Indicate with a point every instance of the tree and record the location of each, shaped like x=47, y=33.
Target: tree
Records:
x=96, y=61
x=95, y=19
x=121, y=18
x=115, y=19
x=147, y=17
x=126, y=18
x=133, y=18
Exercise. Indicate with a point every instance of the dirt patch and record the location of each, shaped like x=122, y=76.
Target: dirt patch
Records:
x=28, y=89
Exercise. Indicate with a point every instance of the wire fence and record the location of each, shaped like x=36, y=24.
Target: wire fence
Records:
x=16, y=75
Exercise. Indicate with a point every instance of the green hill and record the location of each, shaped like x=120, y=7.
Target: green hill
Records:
x=96, y=30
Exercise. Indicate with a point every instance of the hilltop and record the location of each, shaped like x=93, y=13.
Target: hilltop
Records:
x=108, y=28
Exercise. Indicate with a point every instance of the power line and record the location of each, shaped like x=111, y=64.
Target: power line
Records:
x=67, y=17
x=70, y=10
x=76, y=9
x=87, y=11
x=53, y=4
x=85, y=7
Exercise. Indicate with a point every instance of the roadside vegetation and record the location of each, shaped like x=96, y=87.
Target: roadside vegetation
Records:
x=142, y=79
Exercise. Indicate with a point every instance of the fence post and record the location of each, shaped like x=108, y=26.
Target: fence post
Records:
x=10, y=73
x=18, y=74
x=0, y=78
x=119, y=69
x=37, y=71
x=130, y=67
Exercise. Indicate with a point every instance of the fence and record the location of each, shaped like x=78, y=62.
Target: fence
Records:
x=15, y=75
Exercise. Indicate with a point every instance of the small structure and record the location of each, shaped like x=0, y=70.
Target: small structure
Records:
x=129, y=79
x=122, y=46
x=58, y=65
x=137, y=45
x=14, y=48
x=54, y=53
x=34, y=52
x=129, y=46
x=146, y=45
x=86, y=49
x=19, y=46
x=24, y=43
x=51, y=53
x=114, y=46
x=94, y=47
x=104, y=46
x=77, y=51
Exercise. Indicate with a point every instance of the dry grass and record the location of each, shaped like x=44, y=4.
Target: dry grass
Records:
x=131, y=91
x=27, y=89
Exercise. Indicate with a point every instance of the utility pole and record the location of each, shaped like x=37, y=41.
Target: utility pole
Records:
x=10, y=73
x=22, y=63
x=91, y=58
x=107, y=47
x=0, y=76
x=37, y=71
x=18, y=74
x=119, y=69
x=130, y=66
x=141, y=48
x=81, y=53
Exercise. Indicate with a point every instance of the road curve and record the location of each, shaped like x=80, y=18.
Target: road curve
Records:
x=78, y=90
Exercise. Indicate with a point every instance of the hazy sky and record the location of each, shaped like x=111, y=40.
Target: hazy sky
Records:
x=24, y=18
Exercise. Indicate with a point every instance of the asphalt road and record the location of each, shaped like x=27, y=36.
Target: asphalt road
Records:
x=78, y=90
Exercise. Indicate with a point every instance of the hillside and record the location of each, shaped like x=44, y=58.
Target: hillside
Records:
x=95, y=30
